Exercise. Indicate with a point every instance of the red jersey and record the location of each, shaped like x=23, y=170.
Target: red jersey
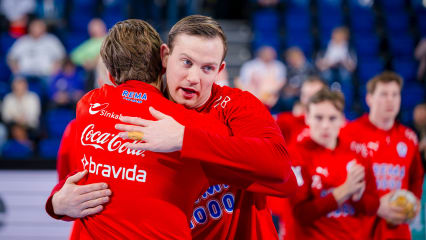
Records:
x=265, y=176
x=161, y=186
x=293, y=128
x=65, y=165
x=235, y=212
x=316, y=212
x=396, y=164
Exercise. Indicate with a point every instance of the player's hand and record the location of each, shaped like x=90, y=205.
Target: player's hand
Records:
x=163, y=135
x=392, y=214
x=79, y=201
x=355, y=182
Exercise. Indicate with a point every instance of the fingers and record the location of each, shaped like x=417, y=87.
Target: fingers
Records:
x=135, y=121
x=138, y=146
x=95, y=202
x=76, y=177
x=128, y=128
x=91, y=211
x=82, y=189
x=95, y=195
x=157, y=114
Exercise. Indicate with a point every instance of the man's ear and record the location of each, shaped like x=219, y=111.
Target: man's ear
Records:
x=222, y=66
x=368, y=99
x=164, y=53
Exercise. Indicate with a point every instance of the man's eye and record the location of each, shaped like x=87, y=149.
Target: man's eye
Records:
x=187, y=62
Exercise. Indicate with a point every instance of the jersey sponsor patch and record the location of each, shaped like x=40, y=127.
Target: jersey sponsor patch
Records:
x=136, y=97
x=96, y=107
x=106, y=141
x=402, y=149
x=113, y=171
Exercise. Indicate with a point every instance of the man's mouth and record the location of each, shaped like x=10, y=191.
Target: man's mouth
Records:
x=188, y=92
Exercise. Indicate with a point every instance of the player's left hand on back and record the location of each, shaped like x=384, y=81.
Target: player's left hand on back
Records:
x=163, y=135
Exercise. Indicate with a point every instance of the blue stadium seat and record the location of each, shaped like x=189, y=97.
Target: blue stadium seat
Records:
x=392, y=5
x=421, y=20
x=362, y=20
x=401, y=45
x=303, y=40
x=366, y=45
x=114, y=11
x=406, y=67
x=82, y=11
x=5, y=72
x=303, y=4
x=362, y=91
x=266, y=20
x=297, y=21
x=73, y=39
x=48, y=148
x=397, y=22
x=15, y=150
x=6, y=41
x=57, y=120
x=368, y=68
x=412, y=94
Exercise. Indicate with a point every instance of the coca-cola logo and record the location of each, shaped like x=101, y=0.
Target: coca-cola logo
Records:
x=106, y=141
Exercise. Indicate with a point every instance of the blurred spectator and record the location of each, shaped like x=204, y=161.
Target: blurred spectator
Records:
x=338, y=64
x=66, y=87
x=263, y=76
x=21, y=106
x=19, y=146
x=420, y=124
x=36, y=54
x=338, y=57
x=14, y=10
x=420, y=54
x=86, y=54
x=298, y=70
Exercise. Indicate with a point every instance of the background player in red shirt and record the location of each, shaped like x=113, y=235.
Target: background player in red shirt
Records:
x=336, y=188
x=393, y=149
x=294, y=129
x=260, y=133
x=296, y=118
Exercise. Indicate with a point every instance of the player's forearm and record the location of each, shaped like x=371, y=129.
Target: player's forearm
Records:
x=285, y=189
x=262, y=157
x=309, y=211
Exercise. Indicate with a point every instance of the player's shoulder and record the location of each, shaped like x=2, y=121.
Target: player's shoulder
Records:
x=407, y=133
x=236, y=94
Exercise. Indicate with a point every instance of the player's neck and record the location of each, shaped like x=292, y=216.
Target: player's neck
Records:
x=157, y=84
x=381, y=123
